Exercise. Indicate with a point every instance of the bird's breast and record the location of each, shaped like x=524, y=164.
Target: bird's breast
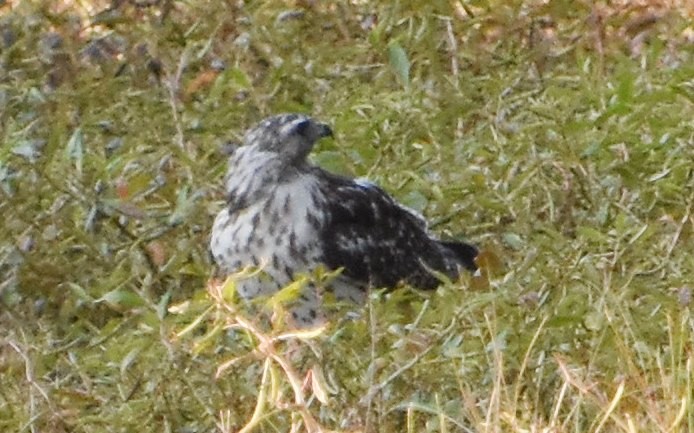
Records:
x=278, y=233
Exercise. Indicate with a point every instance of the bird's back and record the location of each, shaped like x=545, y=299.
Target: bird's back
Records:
x=380, y=243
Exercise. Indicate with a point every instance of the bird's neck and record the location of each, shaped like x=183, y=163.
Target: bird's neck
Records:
x=253, y=175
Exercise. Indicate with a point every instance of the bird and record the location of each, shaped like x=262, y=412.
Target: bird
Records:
x=287, y=217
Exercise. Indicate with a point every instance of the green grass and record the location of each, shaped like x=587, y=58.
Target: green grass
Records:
x=559, y=137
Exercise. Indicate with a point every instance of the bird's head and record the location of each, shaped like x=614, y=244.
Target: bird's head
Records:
x=291, y=136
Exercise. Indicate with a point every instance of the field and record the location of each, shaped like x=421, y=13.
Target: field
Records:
x=556, y=135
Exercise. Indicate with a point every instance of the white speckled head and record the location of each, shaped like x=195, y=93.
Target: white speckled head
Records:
x=292, y=136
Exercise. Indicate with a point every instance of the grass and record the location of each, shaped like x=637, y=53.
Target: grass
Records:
x=558, y=136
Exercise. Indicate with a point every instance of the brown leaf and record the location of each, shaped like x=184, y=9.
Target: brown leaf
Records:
x=157, y=252
x=202, y=81
x=489, y=261
x=122, y=190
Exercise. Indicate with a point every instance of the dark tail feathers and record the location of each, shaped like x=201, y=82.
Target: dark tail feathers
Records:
x=463, y=253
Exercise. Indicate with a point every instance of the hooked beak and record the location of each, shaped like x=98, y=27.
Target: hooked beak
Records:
x=324, y=130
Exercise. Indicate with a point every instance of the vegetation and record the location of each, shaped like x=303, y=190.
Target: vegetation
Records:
x=559, y=136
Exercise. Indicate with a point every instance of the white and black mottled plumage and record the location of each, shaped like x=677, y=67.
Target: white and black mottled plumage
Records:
x=288, y=217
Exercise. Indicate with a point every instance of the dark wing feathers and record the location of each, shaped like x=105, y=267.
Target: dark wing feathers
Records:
x=380, y=243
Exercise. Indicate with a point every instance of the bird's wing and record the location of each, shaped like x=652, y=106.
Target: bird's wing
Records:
x=374, y=239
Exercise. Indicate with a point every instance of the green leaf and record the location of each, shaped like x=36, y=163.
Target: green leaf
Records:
x=27, y=149
x=79, y=291
x=75, y=149
x=415, y=200
x=399, y=62
x=122, y=299
x=208, y=340
x=184, y=206
x=289, y=293
x=229, y=290
x=591, y=234
x=513, y=240
x=163, y=305
x=129, y=359
x=240, y=79
x=625, y=87
x=593, y=321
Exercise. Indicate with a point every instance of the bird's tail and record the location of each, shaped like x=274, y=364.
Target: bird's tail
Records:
x=463, y=254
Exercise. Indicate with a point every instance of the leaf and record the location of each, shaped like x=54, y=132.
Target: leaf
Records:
x=129, y=359
x=202, y=81
x=6, y=177
x=184, y=206
x=229, y=290
x=79, y=291
x=591, y=149
x=113, y=144
x=498, y=343
x=239, y=78
x=75, y=149
x=207, y=340
x=415, y=200
x=27, y=149
x=90, y=219
x=195, y=323
x=513, y=240
x=163, y=304
x=625, y=87
x=593, y=321
x=319, y=385
x=452, y=348
x=399, y=62
x=122, y=189
x=303, y=334
x=489, y=261
x=591, y=234
x=156, y=252
x=288, y=293
x=121, y=299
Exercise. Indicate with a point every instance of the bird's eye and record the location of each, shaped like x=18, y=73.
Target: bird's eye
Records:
x=302, y=127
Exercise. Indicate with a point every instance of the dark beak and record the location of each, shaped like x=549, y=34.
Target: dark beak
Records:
x=324, y=130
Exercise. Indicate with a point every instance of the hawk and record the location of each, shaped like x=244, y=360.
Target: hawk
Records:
x=289, y=217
